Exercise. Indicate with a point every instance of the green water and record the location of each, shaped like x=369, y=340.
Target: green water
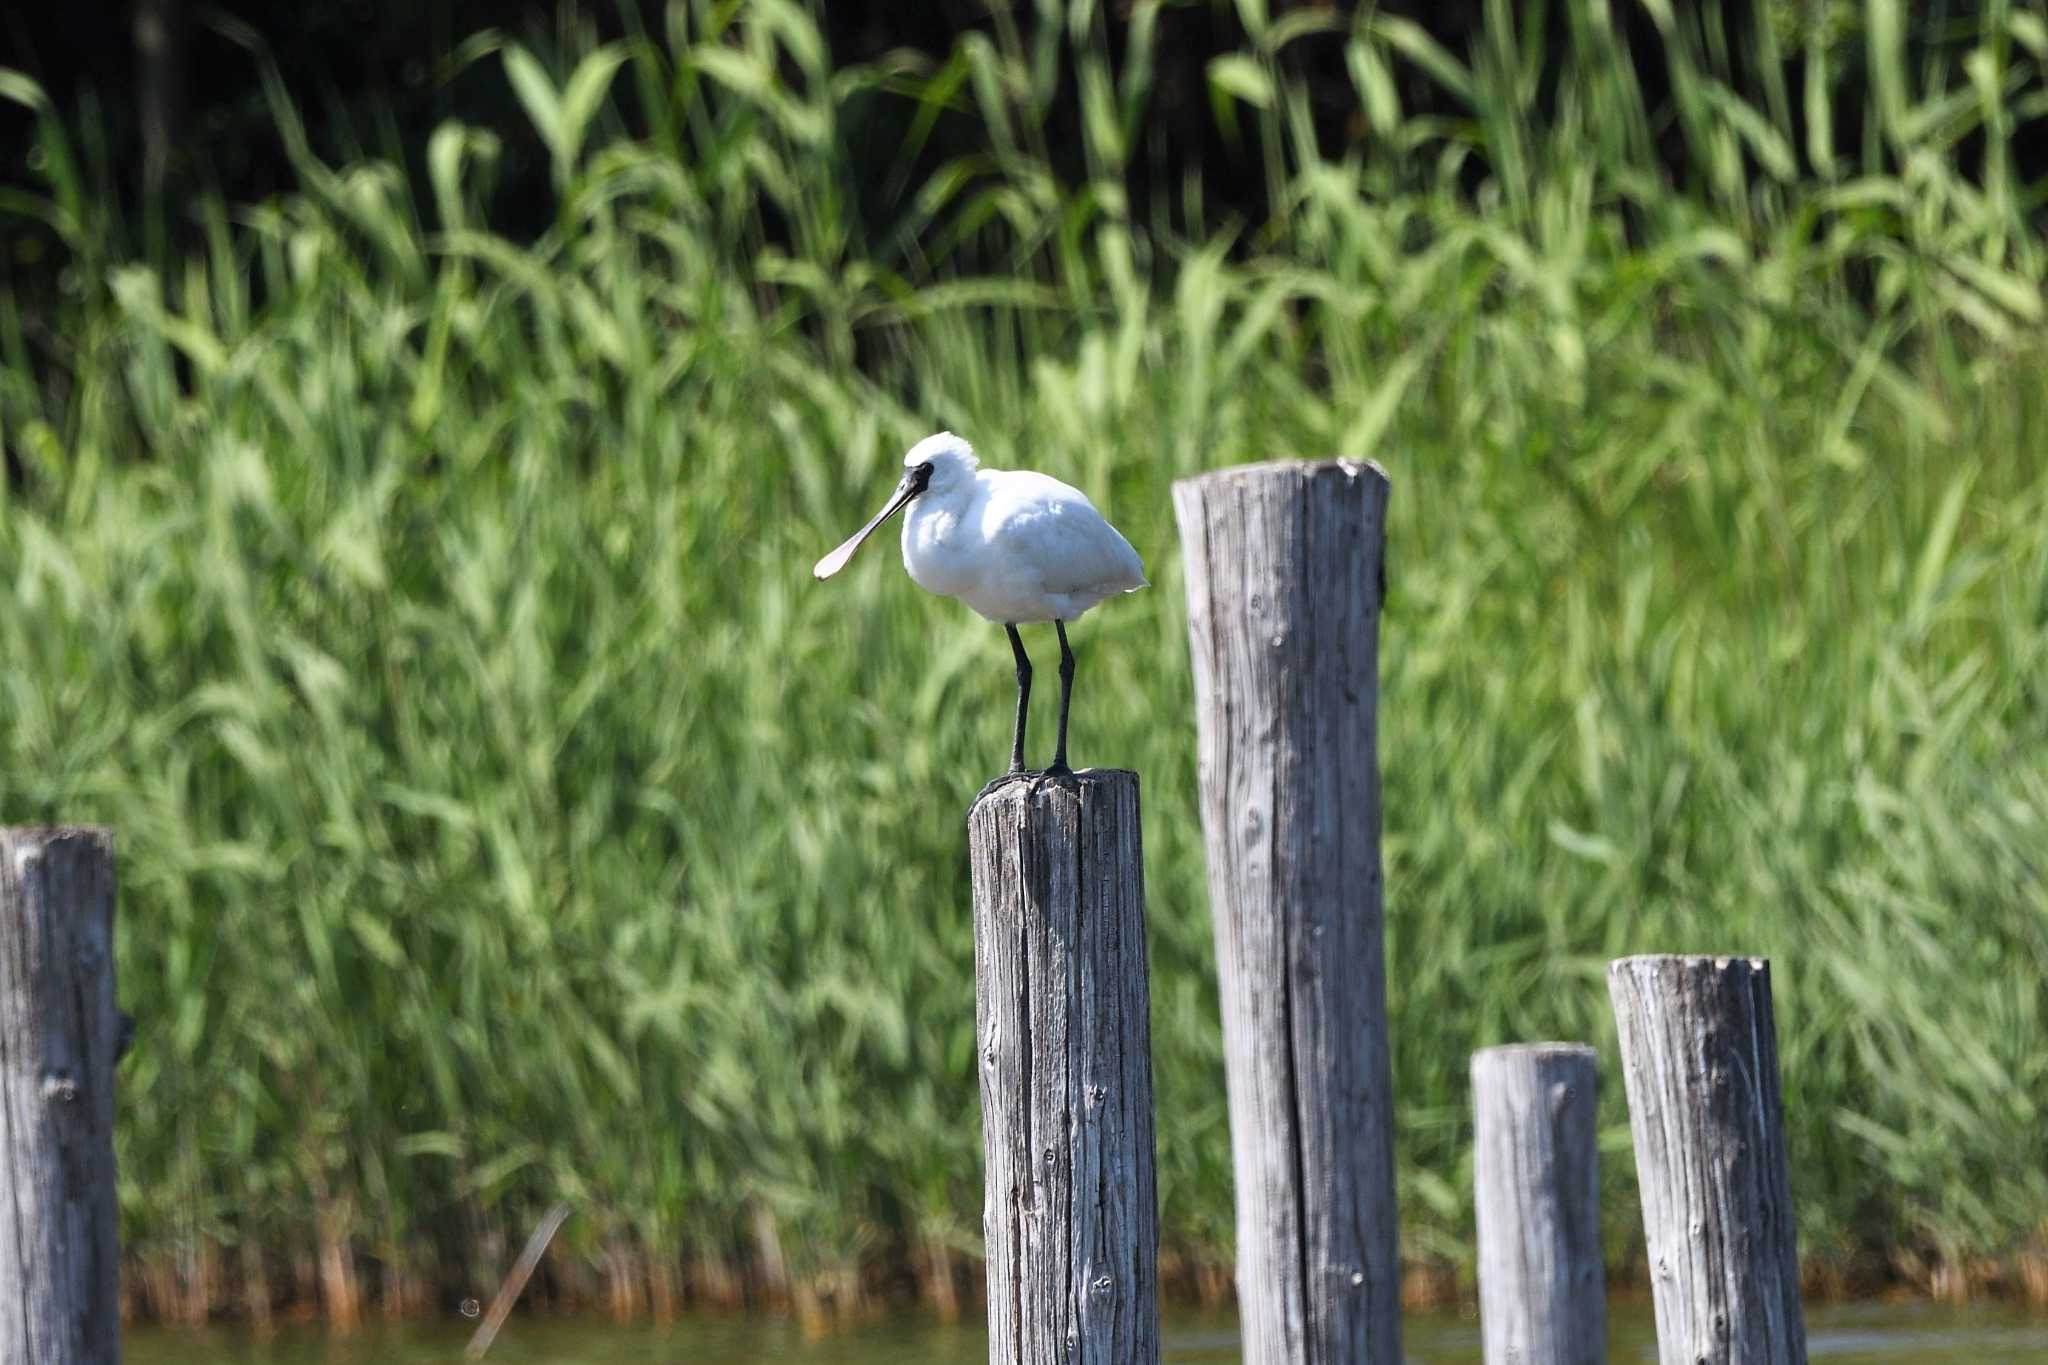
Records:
x=1895, y=1334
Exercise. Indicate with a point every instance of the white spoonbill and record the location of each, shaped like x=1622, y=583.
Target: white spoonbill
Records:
x=1014, y=545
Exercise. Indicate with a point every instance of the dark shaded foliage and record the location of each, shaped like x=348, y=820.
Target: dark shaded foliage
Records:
x=377, y=78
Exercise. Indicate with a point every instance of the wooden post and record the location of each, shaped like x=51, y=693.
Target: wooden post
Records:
x=1536, y=1169
x=1284, y=580
x=59, y=1257
x=1699, y=1052
x=1071, y=1214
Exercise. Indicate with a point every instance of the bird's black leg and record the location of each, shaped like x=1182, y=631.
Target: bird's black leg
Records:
x=1023, y=699
x=1059, y=766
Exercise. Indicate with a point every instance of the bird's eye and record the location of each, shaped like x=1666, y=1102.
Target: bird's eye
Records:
x=924, y=472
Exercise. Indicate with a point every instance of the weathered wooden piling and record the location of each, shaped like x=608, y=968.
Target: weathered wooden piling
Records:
x=1071, y=1211
x=59, y=1255
x=1536, y=1172
x=1284, y=567
x=1699, y=1053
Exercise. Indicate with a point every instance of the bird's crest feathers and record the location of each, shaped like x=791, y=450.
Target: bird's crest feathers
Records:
x=943, y=450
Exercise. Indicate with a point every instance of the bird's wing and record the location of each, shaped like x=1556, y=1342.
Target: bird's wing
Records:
x=1052, y=528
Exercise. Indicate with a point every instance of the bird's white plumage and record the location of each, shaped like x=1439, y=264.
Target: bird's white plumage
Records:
x=1014, y=545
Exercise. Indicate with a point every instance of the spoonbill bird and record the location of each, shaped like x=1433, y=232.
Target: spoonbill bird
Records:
x=1014, y=545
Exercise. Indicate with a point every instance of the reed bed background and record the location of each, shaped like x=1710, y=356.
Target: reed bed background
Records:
x=505, y=815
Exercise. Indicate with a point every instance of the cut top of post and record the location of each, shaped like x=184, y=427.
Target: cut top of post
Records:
x=1534, y=1051
x=1033, y=792
x=29, y=839
x=1719, y=960
x=1307, y=469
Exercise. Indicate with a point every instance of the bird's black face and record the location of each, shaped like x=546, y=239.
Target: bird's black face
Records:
x=916, y=479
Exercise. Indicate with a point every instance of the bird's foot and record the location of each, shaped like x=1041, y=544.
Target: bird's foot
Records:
x=1058, y=772
x=1017, y=774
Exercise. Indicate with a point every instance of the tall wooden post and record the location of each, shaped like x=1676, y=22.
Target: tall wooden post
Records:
x=1699, y=1053
x=1284, y=570
x=1071, y=1211
x=1536, y=1171
x=59, y=1258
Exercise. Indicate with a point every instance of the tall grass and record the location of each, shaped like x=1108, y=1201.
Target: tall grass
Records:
x=504, y=815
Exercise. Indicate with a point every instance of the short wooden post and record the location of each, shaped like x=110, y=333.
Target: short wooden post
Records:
x=1284, y=568
x=1071, y=1211
x=1536, y=1169
x=1699, y=1053
x=59, y=1257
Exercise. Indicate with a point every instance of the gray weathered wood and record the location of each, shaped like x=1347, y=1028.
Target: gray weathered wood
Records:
x=1071, y=1212
x=1284, y=568
x=522, y=1271
x=59, y=1257
x=1699, y=1054
x=1536, y=1177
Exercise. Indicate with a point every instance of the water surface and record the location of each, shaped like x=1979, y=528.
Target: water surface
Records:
x=1881, y=1334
